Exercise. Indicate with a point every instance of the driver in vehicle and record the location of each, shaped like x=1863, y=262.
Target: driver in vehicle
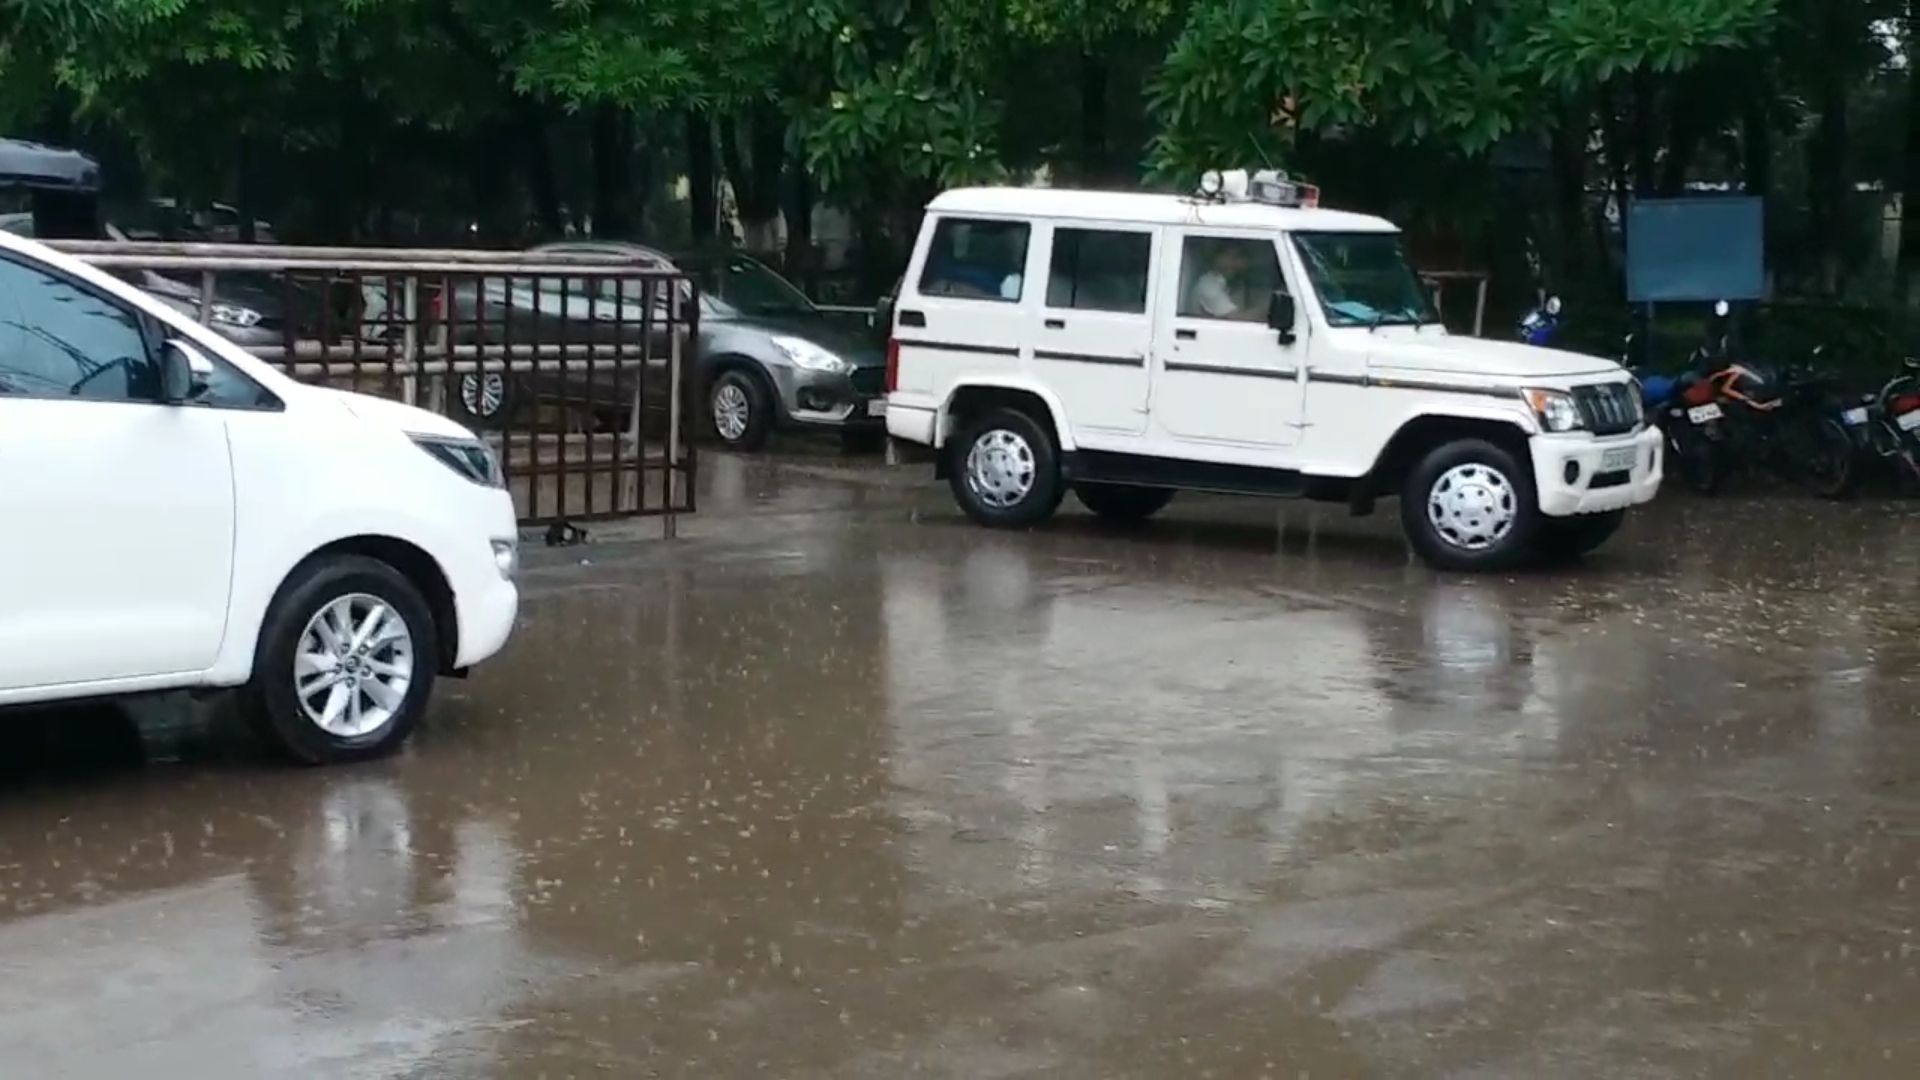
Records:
x=1222, y=292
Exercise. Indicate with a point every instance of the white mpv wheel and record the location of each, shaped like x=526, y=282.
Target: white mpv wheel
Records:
x=346, y=662
x=1469, y=505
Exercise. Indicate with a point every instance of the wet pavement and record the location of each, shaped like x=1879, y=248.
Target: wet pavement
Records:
x=842, y=787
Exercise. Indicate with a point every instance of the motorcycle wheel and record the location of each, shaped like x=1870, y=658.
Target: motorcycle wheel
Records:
x=1698, y=462
x=1827, y=469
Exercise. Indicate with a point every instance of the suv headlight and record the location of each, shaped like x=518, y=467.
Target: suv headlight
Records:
x=470, y=458
x=1555, y=409
x=805, y=354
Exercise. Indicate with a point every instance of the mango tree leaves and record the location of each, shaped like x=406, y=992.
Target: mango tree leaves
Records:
x=1245, y=76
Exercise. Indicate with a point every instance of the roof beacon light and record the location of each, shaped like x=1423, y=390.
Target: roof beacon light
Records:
x=1269, y=186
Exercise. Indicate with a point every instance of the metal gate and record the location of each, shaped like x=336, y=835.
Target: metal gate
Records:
x=575, y=367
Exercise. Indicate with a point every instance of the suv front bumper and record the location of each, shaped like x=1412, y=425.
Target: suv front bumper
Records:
x=1582, y=474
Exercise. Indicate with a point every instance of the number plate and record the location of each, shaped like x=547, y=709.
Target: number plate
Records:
x=1617, y=459
x=1908, y=420
x=1854, y=417
x=1701, y=414
x=877, y=407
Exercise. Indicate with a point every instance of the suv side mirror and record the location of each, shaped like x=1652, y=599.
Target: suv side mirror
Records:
x=1280, y=315
x=185, y=373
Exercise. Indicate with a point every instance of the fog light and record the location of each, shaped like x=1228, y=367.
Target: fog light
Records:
x=1571, y=472
x=506, y=557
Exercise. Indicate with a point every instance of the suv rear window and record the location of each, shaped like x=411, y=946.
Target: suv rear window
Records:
x=975, y=259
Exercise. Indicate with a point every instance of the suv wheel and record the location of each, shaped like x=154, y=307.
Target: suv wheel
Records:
x=1470, y=505
x=1568, y=538
x=1122, y=503
x=346, y=661
x=1004, y=469
x=740, y=410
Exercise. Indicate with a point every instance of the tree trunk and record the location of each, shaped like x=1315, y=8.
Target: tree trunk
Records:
x=702, y=194
x=1569, y=157
x=1909, y=264
x=542, y=183
x=613, y=214
x=1094, y=162
x=798, y=210
x=754, y=156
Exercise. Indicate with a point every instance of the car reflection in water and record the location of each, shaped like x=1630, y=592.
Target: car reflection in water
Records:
x=346, y=947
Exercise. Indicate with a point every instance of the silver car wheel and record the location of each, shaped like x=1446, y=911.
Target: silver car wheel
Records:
x=731, y=411
x=482, y=394
x=354, y=666
x=1000, y=468
x=1472, y=506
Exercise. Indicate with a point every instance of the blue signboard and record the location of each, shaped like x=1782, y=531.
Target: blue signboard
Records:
x=1704, y=247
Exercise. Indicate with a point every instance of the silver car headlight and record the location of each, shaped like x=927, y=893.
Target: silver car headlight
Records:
x=233, y=315
x=1554, y=409
x=470, y=458
x=807, y=356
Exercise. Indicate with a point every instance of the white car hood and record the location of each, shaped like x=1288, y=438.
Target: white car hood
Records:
x=1436, y=353
x=400, y=417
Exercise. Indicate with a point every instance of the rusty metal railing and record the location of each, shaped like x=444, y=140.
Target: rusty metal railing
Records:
x=576, y=367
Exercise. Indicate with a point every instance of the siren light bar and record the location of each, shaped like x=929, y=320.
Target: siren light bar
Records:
x=1269, y=186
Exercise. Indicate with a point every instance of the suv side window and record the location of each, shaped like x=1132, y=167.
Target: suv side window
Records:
x=1100, y=270
x=1227, y=277
x=977, y=260
x=59, y=339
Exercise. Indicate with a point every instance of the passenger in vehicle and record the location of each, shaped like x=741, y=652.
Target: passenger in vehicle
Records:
x=1222, y=292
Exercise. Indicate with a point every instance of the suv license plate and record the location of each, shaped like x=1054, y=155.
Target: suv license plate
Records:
x=877, y=407
x=1617, y=459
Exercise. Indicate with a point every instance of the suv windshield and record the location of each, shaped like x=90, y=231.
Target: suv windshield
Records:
x=747, y=287
x=1364, y=279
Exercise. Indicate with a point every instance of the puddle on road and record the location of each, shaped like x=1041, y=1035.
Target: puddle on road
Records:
x=870, y=799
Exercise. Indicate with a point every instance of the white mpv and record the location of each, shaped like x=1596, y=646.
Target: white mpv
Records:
x=180, y=515
x=1244, y=341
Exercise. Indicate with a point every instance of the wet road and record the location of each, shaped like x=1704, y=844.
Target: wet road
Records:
x=841, y=787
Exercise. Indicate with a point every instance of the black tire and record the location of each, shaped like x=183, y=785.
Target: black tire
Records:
x=471, y=399
x=1566, y=539
x=1033, y=453
x=1512, y=498
x=1699, y=462
x=1827, y=469
x=272, y=702
x=745, y=389
x=1122, y=503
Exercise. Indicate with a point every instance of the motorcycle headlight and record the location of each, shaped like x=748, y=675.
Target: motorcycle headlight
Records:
x=1554, y=409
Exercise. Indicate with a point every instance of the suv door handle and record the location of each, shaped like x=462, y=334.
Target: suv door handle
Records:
x=1184, y=335
x=913, y=318
x=1056, y=324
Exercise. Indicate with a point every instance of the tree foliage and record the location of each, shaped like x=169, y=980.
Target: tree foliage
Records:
x=872, y=104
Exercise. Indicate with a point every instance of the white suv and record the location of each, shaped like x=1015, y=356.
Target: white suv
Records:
x=1127, y=346
x=180, y=515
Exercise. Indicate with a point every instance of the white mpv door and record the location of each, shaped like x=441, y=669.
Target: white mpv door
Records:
x=116, y=540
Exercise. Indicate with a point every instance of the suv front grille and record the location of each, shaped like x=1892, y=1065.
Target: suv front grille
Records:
x=1607, y=408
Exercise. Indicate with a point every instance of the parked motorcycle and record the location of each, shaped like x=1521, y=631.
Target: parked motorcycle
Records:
x=1740, y=418
x=1540, y=325
x=1885, y=425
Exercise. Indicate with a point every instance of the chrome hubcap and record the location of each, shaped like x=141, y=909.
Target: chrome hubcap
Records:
x=730, y=411
x=1472, y=506
x=482, y=394
x=1000, y=468
x=354, y=666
